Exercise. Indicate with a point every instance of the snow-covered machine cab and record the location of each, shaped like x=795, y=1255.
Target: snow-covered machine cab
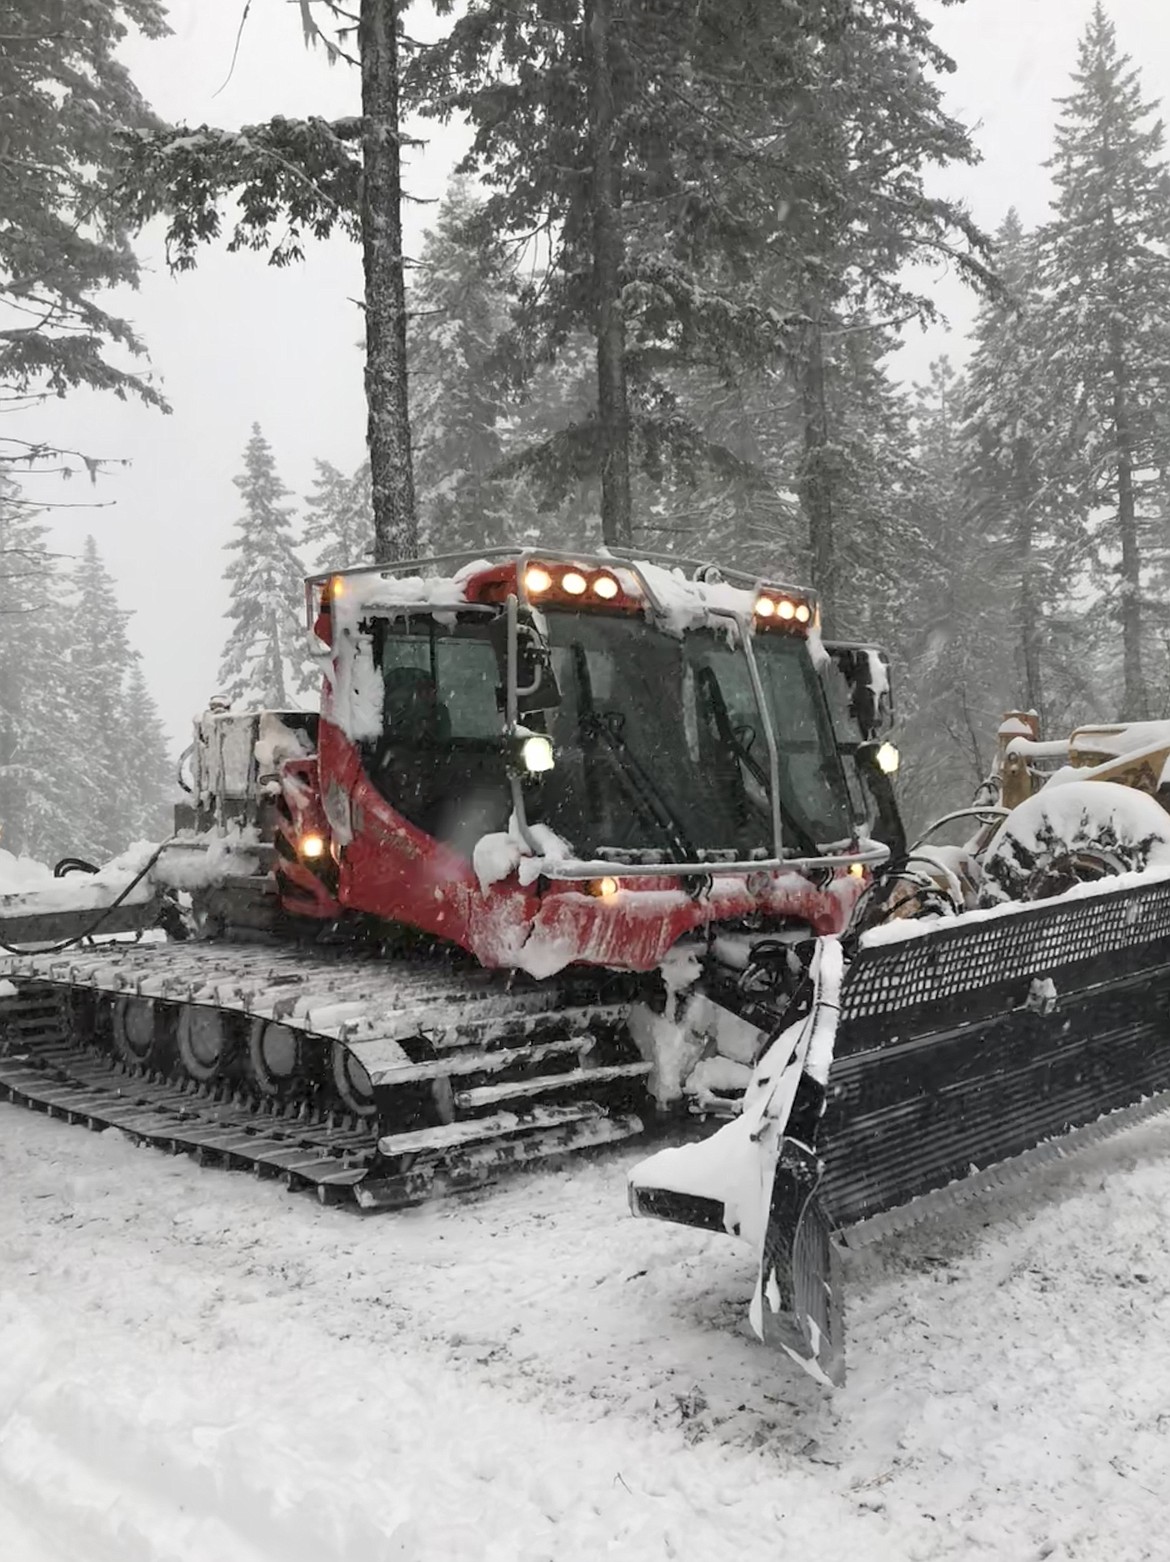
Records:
x=559, y=737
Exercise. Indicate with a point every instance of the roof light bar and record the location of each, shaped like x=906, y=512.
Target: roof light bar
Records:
x=773, y=608
x=578, y=581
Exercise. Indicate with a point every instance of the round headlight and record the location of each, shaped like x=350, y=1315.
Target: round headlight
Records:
x=888, y=759
x=536, y=753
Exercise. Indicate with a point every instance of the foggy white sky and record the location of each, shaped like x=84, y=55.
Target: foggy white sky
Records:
x=237, y=341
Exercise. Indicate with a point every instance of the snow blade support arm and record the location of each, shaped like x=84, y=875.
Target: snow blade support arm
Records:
x=758, y=1177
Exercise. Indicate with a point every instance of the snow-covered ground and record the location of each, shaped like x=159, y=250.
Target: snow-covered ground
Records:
x=198, y=1367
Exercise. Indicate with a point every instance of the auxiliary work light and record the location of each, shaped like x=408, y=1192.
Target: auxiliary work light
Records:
x=888, y=759
x=536, y=754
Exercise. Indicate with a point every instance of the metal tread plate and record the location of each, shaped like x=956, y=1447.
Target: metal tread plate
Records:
x=332, y=997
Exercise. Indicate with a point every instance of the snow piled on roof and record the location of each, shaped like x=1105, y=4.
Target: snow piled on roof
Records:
x=689, y=604
x=368, y=591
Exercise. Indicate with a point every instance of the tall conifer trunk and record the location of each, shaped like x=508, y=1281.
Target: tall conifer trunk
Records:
x=388, y=426
x=1136, y=706
x=815, y=482
x=276, y=640
x=606, y=195
x=1029, y=597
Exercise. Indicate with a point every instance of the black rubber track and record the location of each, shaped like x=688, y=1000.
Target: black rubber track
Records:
x=464, y=1079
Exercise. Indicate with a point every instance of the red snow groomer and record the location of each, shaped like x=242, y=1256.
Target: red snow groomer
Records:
x=549, y=857
x=571, y=840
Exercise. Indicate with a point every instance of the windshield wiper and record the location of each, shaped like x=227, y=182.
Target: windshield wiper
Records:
x=709, y=682
x=638, y=783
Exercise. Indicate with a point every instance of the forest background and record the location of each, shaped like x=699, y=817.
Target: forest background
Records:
x=1002, y=529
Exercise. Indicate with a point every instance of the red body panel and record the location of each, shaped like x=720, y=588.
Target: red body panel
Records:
x=307, y=889
x=392, y=870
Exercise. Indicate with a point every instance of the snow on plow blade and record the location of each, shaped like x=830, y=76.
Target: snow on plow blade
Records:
x=960, y=1046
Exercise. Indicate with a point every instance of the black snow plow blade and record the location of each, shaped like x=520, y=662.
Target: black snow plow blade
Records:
x=965, y=1054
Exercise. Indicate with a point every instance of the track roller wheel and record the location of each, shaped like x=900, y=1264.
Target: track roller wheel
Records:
x=135, y=1031
x=1073, y=833
x=352, y=1082
x=274, y=1058
x=203, y=1042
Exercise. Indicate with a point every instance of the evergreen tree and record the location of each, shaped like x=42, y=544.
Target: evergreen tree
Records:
x=1106, y=262
x=83, y=766
x=64, y=100
x=866, y=123
x=36, y=763
x=654, y=147
x=148, y=776
x=339, y=518
x=99, y=662
x=266, y=657
x=388, y=420
x=1018, y=471
x=955, y=640
x=459, y=308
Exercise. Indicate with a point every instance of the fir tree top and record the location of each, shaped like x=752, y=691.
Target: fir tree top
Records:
x=266, y=656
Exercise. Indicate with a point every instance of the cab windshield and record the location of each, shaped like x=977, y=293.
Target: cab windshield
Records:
x=659, y=742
